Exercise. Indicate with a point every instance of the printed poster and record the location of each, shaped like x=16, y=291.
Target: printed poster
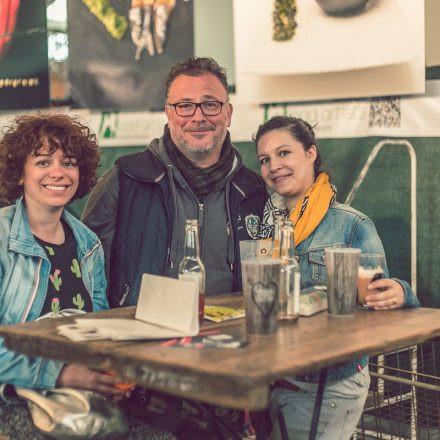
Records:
x=24, y=69
x=321, y=50
x=120, y=51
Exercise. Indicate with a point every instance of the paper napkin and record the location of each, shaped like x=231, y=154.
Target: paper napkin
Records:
x=166, y=308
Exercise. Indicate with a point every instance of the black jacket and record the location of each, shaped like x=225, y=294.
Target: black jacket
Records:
x=142, y=233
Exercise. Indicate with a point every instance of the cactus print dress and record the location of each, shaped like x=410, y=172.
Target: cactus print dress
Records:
x=66, y=290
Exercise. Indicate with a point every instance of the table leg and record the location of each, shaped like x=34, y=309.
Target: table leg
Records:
x=318, y=403
x=263, y=429
x=282, y=424
x=261, y=423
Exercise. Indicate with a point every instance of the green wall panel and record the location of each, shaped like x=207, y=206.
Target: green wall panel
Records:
x=384, y=196
x=108, y=157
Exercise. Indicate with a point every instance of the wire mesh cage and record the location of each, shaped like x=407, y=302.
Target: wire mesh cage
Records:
x=404, y=397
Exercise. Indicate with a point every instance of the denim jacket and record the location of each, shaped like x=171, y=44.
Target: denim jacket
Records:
x=342, y=226
x=24, y=277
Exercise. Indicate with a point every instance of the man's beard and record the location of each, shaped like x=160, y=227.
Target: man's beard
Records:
x=199, y=152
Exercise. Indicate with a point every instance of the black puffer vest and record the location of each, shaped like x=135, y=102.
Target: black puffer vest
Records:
x=142, y=236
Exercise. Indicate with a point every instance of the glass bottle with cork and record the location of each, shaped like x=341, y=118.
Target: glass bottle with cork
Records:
x=290, y=276
x=191, y=266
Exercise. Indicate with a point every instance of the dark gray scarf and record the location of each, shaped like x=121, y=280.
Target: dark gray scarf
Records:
x=201, y=180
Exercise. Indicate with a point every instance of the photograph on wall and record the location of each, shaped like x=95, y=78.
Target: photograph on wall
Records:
x=378, y=44
x=120, y=51
x=24, y=71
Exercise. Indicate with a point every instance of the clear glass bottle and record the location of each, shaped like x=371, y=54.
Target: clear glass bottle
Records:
x=278, y=222
x=290, y=276
x=191, y=266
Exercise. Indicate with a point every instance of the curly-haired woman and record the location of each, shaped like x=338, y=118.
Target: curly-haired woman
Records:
x=49, y=260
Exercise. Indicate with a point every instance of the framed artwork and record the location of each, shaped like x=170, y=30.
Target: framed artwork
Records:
x=120, y=51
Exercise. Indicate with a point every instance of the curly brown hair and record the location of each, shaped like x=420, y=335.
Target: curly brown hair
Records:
x=25, y=136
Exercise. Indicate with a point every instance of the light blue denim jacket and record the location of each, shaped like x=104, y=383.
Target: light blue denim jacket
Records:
x=24, y=276
x=342, y=226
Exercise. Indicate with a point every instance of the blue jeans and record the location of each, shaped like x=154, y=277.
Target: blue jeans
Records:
x=341, y=409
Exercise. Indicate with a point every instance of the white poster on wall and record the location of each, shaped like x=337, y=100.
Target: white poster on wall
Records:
x=376, y=50
x=391, y=117
x=388, y=116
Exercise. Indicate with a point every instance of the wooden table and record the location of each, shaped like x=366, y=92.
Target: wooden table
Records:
x=232, y=377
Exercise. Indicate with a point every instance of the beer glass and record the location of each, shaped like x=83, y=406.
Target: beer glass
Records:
x=371, y=268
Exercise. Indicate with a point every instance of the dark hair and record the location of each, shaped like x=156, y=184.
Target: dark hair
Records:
x=196, y=66
x=301, y=130
x=26, y=135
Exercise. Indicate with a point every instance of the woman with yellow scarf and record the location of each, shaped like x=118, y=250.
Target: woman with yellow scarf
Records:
x=290, y=162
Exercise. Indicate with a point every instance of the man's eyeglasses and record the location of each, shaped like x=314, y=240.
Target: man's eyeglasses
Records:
x=209, y=108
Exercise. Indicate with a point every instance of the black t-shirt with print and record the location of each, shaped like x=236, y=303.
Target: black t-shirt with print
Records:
x=66, y=289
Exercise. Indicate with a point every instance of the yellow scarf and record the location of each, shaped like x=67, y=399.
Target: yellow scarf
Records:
x=312, y=207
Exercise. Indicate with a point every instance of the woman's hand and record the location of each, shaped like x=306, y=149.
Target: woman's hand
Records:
x=388, y=294
x=77, y=376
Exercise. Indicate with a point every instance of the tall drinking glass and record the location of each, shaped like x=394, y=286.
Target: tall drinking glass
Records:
x=261, y=283
x=341, y=266
x=371, y=268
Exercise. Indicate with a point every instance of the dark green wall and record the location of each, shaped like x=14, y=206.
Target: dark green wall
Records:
x=108, y=157
x=384, y=196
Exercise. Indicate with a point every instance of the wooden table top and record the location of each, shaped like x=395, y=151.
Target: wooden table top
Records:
x=232, y=377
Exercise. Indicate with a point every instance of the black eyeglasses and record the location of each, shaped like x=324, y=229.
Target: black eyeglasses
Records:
x=209, y=108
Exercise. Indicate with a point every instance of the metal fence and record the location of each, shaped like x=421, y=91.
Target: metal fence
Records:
x=404, y=395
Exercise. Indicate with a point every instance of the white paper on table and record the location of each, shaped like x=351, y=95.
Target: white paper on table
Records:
x=166, y=308
x=169, y=303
